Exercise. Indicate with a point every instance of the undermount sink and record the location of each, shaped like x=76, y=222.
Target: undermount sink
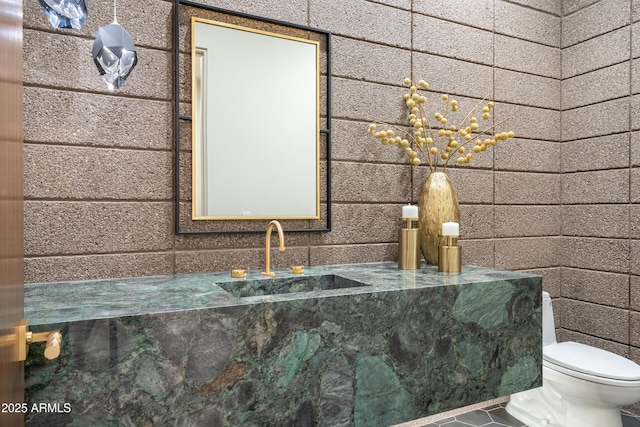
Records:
x=287, y=285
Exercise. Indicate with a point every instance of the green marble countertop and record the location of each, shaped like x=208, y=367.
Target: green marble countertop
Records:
x=60, y=302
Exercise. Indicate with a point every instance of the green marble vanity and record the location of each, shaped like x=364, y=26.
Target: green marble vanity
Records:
x=344, y=345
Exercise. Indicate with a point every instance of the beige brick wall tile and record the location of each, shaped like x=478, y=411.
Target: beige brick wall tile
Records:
x=478, y=252
x=296, y=11
x=476, y=221
x=453, y=76
x=635, y=149
x=570, y=6
x=635, y=32
x=352, y=254
x=549, y=6
x=480, y=15
x=596, y=286
x=53, y=172
x=74, y=228
x=527, y=155
x=634, y=175
x=450, y=39
x=527, y=221
x=596, y=86
x=350, y=141
x=375, y=183
x=602, y=51
x=596, y=19
x=634, y=221
x=608, y=186
x=601, y=321
x=635, y=73
x=524, y=188
x=635, y=257
x=635, y=328
x=402, y=4
x=527, y=253
x=529, y=122
x=185, y=83
x=472, y=185
x=594, y=120
x=185, y=175
x=188, y=243
x=634, y=293
x=529, y=57
x=88, y=267
x=551, y=280
x=381, y=102
x=358, y=18
x=635, y=111
x=55, y=116
x=611, y=255
x=527, y=89
x=529, y=24
x=595, y=220
x=602, y=152
x=367, y=61
x=357, y=223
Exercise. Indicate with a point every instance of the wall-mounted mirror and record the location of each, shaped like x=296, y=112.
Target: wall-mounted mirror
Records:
x=255, y=124
x=252, y=122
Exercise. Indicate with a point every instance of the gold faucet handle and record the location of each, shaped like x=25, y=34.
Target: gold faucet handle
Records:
x=238, y=273
x=53, y=340
x=52, y=348
x=22, y=337
x=297, y=269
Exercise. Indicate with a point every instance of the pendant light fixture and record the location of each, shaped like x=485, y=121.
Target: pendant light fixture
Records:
x=65, y=13
x=114, y=53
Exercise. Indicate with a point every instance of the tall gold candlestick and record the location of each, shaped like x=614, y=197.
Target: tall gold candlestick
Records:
x=409, y=246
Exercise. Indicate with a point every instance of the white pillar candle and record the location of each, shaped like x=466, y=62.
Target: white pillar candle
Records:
x=450, y=229
x=410, y=211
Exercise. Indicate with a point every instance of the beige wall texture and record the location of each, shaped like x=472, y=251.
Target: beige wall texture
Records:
x=562, y=199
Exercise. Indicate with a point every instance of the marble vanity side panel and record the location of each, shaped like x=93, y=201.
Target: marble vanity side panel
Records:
x=371, y=359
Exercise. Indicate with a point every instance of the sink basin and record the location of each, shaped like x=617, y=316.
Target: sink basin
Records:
x=286, y=285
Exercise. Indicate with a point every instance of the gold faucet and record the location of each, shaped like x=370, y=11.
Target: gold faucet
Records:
x=268, y=271
x=22, y=337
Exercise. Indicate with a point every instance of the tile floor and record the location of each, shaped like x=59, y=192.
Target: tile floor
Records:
x=496, y=416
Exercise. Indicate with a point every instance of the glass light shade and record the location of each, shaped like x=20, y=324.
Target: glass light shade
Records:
x=65, y=13
x=114, y=54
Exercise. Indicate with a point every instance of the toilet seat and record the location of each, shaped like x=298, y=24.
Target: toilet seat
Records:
x=592, y=364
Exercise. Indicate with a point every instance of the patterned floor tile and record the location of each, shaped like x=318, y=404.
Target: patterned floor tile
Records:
x=497, y=416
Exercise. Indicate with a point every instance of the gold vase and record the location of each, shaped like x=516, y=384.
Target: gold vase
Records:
x=438, y=203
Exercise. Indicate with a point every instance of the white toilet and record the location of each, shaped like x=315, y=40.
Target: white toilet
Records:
x=582, y=386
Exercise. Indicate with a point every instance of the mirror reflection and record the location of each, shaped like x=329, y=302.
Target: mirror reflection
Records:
x=256, y=124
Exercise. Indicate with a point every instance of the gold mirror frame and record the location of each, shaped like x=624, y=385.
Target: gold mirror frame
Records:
x=320, y=221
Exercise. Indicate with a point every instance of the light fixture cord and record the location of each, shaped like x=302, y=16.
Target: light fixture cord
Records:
x=115, y=21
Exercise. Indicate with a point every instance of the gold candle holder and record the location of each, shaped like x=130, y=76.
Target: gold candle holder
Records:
x=409, y=246
x=450, y=256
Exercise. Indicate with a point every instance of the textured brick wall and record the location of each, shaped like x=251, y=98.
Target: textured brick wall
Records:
x=600, y=179
x=561, y=199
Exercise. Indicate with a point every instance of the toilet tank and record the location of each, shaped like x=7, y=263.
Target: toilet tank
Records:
x=548, y=324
